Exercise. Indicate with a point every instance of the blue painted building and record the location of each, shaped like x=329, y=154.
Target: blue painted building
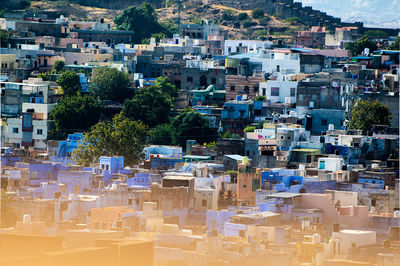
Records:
x=41, y=172
x=236, y=115
x=65, y=148
x=111, y=164
x=143, y=180
x=163, y=151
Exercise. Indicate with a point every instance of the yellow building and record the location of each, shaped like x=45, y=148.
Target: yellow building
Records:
x=8, y=63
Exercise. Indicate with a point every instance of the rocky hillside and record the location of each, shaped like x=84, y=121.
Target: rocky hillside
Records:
x=238, y=23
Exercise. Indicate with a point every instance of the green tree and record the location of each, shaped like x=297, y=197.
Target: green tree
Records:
x=261, y=98
x=4, y=38
x=163, y=135
x=242, y=16
x=367, y=113
x=249, y=129
x=190, y=124
x=110, y=84
x=150, y=105
x=247, y=23
x=228, y=15
x=70, y=83
x=375, y=33
x=45, y=76
x=395, y=45
x=257, y=13
x=143, y=20
x=165, y=86
x=227, y=135
x=75, y=113
x=58, y=67
x=121, y=137
x=358, y=47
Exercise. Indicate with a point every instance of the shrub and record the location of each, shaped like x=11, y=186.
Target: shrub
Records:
x=243, y=16
x=257, y=13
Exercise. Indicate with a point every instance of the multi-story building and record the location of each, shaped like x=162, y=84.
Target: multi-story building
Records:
x=313, y=38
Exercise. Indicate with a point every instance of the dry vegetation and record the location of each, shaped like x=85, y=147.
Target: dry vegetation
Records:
x=192, y=12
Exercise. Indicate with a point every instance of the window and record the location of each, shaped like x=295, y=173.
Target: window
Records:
x=264, y=92
x=189, y=79
x=39, y=131
x=322, y=165
x=107, y=167
x=15, y=130
x=232, y=88
x=244, y=186
x=274, y=91
x=278, y=68
x=213, y=81
x=204, y=203
x=292, y=92
x=246, y=89
x=324, y=122
x=373, y=203
x=203, y=81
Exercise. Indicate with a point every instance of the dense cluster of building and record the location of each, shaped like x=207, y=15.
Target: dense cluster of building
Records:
x=301, y=188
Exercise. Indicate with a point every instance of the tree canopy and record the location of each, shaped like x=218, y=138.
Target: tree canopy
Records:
x=367, y=113
x=163, y=135
x=121, y=137
x=395, y=45
x=375, y=33
x=152, y=105
x=70, y=83
x=257, y=13
x=192, y=125
x=143, y=20
x=249, y=129
x=4, y=38
x=358, y=47
x=165, y=86
x=243, y=16
x=110, y=84
x=58, y=67
x=75, y=113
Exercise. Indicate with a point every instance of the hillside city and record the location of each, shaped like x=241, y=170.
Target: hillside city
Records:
x=197, y=132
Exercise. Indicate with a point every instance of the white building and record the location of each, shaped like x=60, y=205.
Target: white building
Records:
x=273, y=61
x=246, y=46
x=342, y=241
x=32, y=128
x=280, y=90
x=39, y=133
x=333, y=164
